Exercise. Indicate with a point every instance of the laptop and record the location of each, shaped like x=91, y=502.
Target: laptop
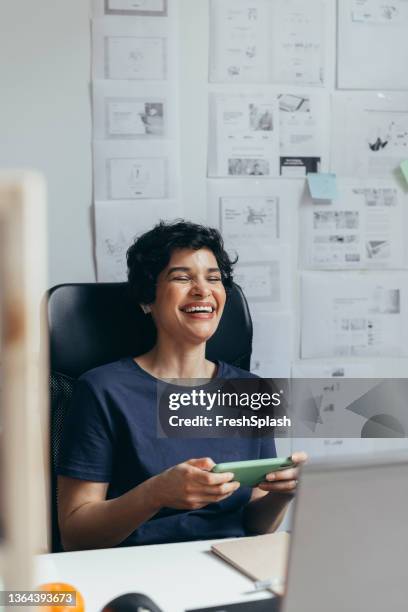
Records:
x=349, y=542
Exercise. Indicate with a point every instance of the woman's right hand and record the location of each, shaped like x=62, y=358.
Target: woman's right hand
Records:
x=191, y=485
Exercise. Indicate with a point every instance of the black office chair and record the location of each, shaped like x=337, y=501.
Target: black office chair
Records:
x=95, y=323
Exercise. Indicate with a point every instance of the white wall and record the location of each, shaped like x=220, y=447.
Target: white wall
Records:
x=45, y=116
x=45, y=119
x=194, y=24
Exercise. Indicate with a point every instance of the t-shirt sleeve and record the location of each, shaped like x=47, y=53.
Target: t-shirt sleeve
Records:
x=268, y=448
x=86, y=450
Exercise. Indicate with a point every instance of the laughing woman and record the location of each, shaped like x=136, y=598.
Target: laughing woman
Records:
x=118, y=483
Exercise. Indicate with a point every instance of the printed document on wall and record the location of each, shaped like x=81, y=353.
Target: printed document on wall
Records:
x=240, y=47
x=134, y=49
x=254, y=214
x=127, y=171
x=275, y=127
x=257, y=41
x=243, y=135
x=363, y=228
x=370, y=134
x=265, y=276
x=298, y=32
x=116, y=226
x=354, y=314
x=372, y=44
x=125, y=111
x=304, y=132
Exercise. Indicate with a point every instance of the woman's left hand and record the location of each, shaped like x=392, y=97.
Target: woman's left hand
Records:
x=284, y=481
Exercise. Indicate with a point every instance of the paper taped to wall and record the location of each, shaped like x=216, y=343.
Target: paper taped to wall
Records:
x=117, y=224
x=363, y=228
x=354, y=314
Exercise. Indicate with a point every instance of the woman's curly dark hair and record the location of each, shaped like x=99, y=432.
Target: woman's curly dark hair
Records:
x=151, y=252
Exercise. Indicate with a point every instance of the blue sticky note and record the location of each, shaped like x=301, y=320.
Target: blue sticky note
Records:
x=404, y=169
x=322, y=186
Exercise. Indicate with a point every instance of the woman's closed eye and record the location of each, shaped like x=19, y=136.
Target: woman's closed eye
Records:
x=211, y=279
x=181, y=278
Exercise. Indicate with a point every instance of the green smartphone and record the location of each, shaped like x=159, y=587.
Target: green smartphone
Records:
x=253, y=472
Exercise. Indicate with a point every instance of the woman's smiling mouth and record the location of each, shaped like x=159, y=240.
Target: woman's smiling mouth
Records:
x=203, y=310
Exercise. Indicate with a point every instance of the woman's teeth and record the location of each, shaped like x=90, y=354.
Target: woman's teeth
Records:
x=199, y=309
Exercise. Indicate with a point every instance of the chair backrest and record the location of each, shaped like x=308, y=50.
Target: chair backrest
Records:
x=96, y=323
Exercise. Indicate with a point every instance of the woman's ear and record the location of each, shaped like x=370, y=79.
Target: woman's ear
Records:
x=145, y=308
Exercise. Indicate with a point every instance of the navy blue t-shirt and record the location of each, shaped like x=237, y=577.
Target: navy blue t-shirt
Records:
x=110, y=436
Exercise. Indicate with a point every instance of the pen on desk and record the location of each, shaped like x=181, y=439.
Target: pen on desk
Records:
x=262, y=585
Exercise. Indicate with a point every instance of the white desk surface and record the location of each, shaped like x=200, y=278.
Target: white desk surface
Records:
x=177, y=577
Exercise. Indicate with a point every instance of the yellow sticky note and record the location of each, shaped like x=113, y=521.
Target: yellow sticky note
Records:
x=404, y=168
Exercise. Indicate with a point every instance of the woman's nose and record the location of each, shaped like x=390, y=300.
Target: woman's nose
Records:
x=201, y=287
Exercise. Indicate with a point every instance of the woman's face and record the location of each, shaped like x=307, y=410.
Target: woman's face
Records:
x=190, y=296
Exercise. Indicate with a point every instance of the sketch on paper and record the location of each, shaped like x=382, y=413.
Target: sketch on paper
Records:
x=127, y=118
x=249, y=221
x=266, y=42
x=364, y=229
x=379, y=12
x=115, y=250
x=129, y=178
x=116, y=226
x=260, y=281
x=298, y=42
x=387, y=132
x=373, y=138
x=239, y=49
x=132, y=57
x=360, y=315
x=290, y=103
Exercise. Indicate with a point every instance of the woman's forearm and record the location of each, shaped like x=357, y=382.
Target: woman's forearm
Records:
x=103, y=524
x=265, y=514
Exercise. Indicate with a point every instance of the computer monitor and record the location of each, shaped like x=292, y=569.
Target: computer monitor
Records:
x=23, y=396
x=348, y=548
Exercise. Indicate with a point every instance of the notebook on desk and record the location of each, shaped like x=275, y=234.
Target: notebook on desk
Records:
x=259, y=605
x=259, y=557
